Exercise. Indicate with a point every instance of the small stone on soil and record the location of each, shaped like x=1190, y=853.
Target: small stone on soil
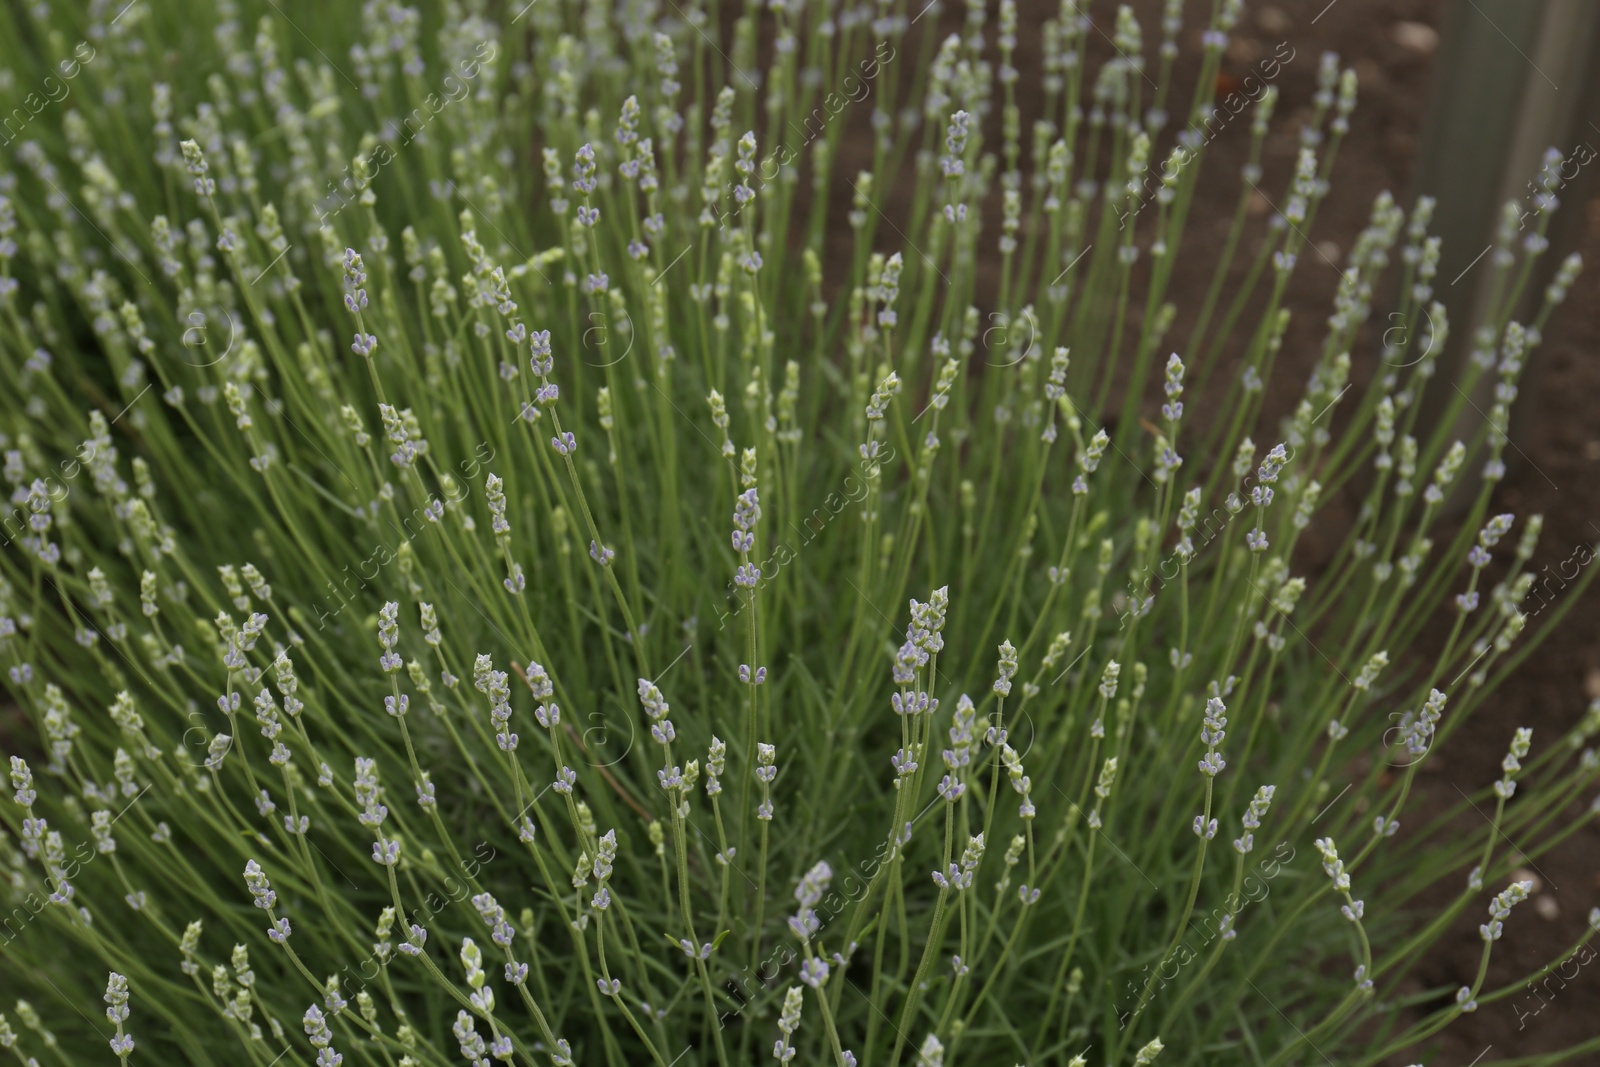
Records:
x=1416, y=36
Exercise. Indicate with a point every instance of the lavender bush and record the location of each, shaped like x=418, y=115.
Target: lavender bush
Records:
x=500, y=567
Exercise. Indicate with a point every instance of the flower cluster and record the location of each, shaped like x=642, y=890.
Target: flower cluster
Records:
x=903, y=310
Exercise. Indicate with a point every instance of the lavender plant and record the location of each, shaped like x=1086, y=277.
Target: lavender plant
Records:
x=498, y=569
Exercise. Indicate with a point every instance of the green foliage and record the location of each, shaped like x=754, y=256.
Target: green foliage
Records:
x=368, y=556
